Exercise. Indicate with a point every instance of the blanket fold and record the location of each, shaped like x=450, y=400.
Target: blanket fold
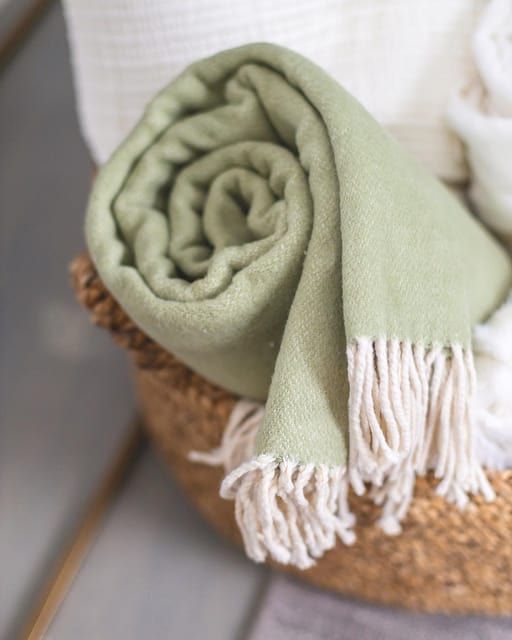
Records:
x=259, y=224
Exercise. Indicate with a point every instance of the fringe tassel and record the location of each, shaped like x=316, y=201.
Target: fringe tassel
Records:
x=290, y=512
x=411, y=411
x=238, y=439
x=287, y=511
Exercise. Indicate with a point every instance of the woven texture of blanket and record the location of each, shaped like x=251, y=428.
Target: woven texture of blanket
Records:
x=400, y=59
x=260, y=225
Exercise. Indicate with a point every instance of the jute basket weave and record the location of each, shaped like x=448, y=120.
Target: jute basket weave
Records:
x=444, y=561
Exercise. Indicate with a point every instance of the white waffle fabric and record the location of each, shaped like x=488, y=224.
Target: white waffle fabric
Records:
x=401, y=59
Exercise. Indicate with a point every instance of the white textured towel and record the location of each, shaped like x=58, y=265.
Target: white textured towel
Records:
x=401, y=59
x=482, y=115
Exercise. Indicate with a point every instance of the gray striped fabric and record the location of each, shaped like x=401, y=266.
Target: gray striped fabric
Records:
x=293, y=611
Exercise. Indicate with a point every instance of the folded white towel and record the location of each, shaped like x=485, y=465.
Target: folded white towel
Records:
x=401, y=59
x=492, y=346
x=481, y=114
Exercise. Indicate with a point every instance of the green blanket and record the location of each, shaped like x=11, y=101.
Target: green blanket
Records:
x=261, y=226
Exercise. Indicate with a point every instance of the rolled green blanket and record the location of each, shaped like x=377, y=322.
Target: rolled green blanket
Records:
x=261, y=226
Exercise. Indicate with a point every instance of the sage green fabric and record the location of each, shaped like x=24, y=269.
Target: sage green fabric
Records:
x=257, y=219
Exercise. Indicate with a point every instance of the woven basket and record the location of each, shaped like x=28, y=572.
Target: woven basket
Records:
x=444, y=561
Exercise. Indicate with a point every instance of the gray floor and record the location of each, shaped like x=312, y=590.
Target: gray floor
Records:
x=65, y=401
x=158, y=572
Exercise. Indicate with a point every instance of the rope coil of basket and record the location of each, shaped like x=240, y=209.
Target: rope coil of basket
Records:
x=445, y=560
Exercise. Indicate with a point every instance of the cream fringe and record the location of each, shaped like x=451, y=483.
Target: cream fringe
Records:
x=238, y=439
x=410, y=411
x=292, y=512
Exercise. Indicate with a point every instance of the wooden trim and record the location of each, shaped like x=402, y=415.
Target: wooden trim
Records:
x=21, y=28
